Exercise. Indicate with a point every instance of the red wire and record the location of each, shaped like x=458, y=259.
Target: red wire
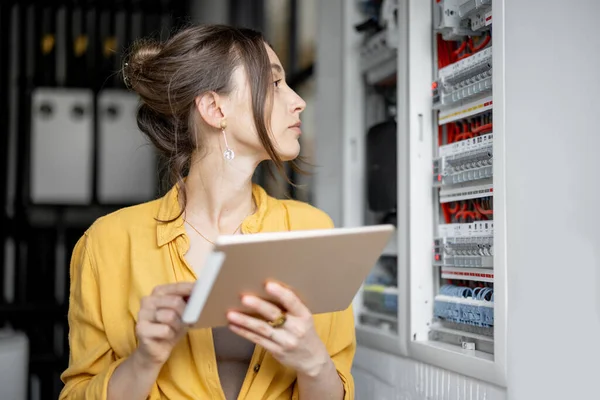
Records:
x=451, y=132
x=483, y=128
x=482, y=211
x=446, y=212
x=480, y=45
x=469, y=133
x=454, y=209
x=460, y=49
x=463, y=209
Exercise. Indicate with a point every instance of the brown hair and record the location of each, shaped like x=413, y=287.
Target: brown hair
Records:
x=168, y=76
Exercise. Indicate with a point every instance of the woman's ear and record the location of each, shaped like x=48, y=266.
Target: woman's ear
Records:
x=209, y=108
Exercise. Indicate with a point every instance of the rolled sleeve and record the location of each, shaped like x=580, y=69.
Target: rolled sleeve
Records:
x=91, y=360
x=342, y=347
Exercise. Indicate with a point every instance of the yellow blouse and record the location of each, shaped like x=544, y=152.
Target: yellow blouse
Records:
x=124, y=255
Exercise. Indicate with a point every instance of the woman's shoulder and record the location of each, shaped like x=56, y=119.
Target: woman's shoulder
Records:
x=302, y=215
x=121, y=224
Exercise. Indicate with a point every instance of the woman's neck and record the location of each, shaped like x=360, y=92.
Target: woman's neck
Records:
x=219, y=193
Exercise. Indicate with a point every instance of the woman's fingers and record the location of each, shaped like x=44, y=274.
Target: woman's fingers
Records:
x=159, y=324
x=267, y=343
x=250, y=323
x=155, y=331
x=176, y=289
x=175, y=303
x=162, y=309
x=288, y=299
x=267, y=310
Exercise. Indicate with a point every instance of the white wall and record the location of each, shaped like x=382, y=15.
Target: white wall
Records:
x=552, y=144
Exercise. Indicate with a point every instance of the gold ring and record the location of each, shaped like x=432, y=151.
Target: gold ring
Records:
x=277, y=323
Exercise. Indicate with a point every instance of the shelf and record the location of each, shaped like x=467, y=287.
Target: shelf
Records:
x=379, y=315
x=468, y=274
x=378, y=339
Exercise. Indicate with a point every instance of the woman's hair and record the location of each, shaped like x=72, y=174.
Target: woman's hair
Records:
x=170, y=75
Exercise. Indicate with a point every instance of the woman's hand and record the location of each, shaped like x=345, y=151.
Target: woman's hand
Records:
x=295, y=343
x=159, y=325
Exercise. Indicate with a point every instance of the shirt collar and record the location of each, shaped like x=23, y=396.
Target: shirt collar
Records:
x=170, y=222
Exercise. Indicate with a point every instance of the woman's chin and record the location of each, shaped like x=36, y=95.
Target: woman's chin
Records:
x=290, y=153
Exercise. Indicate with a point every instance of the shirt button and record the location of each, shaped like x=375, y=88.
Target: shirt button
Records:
x=256, y=367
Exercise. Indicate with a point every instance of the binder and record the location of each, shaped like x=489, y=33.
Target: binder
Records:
x=61, y=146
x=126, y=161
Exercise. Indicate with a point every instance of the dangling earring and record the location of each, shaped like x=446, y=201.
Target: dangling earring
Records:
x=228, y=154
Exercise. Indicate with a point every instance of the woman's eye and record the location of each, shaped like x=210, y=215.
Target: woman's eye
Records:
x=277, y=82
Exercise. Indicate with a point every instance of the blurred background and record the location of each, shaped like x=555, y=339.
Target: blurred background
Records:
x=70, y=150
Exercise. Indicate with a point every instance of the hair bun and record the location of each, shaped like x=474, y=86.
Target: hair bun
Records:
x=142, y=53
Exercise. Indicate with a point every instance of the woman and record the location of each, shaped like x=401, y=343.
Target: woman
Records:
x=215, y=103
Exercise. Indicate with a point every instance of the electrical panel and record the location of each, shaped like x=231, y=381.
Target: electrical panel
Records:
x=432, y=295
x=462, y=178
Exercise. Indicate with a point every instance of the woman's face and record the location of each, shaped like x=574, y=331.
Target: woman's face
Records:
x=284, y=122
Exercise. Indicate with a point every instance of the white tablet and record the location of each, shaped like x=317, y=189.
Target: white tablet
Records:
x=325, y=268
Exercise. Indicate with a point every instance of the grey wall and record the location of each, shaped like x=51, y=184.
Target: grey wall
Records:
x=329, y=138
x=552, y=143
